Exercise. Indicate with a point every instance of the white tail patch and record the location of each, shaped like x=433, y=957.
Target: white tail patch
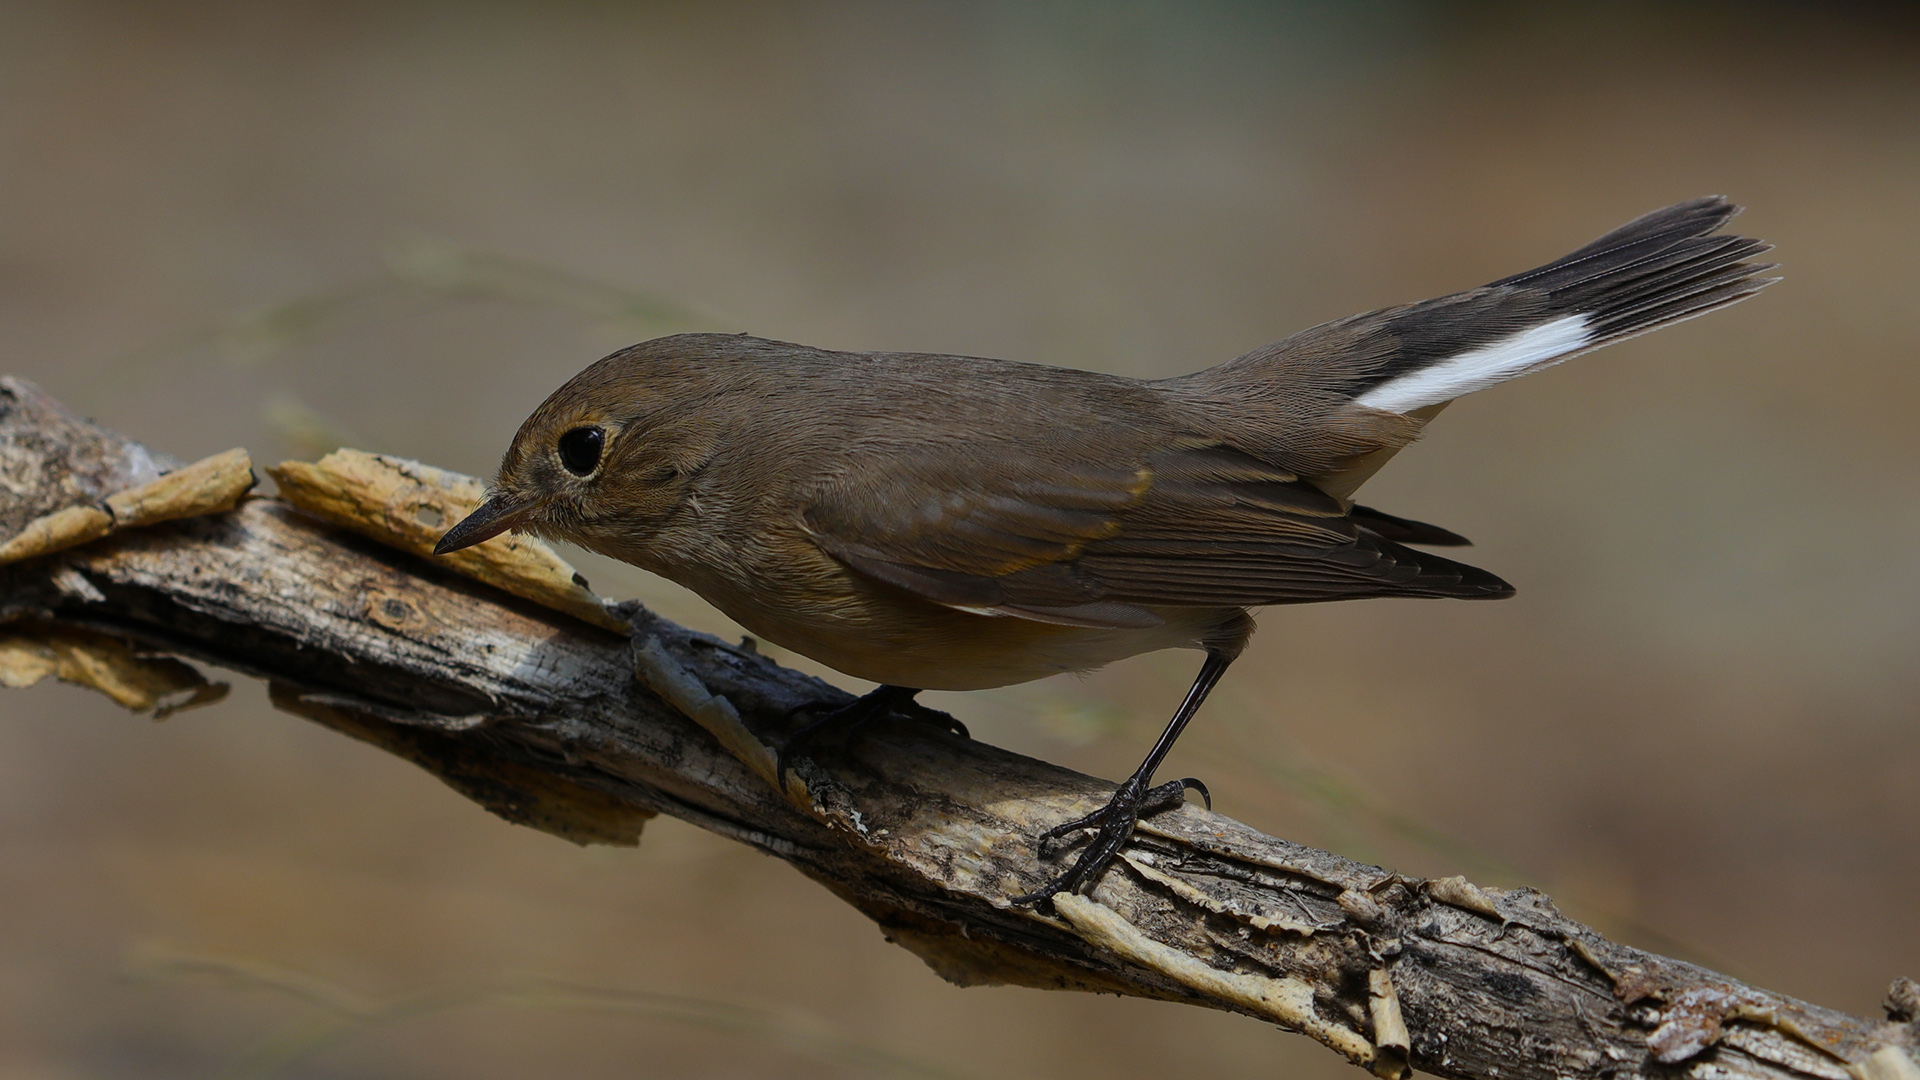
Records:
x=1480, y=368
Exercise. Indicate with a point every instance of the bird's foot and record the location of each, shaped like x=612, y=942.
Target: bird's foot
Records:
x=1112, y=825
x=855, y=714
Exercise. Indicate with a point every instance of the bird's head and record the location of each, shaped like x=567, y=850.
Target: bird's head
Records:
x=604, y=461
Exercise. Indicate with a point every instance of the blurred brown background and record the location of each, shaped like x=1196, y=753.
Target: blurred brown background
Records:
x=286, y=226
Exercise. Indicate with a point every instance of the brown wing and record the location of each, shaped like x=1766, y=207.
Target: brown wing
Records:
x=1006, y=542
x=1193, y=526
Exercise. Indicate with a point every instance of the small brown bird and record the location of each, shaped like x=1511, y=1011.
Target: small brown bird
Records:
x=955, y=523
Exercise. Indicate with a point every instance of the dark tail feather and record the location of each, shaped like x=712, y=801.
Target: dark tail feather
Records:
x=1333, y=402
x=1663, y=268
x=1653, y=271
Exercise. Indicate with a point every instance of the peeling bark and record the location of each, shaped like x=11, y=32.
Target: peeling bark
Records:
x=555, y=721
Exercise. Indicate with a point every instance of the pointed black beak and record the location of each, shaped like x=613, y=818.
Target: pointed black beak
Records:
x=493, y=517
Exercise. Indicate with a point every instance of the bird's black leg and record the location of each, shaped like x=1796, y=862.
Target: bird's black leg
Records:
x=848, y=718
x=1112, y=825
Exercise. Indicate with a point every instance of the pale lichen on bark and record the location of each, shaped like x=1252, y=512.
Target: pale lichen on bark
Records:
x=526, y=693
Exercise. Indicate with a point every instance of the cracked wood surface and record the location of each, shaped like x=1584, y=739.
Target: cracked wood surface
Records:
x=554, y=721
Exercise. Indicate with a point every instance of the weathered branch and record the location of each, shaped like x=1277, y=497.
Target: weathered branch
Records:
x=539, y=716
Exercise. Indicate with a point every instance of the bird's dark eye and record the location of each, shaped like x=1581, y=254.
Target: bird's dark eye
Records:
x=580, y=449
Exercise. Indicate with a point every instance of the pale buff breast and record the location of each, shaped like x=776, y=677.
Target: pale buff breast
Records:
x=875, y=632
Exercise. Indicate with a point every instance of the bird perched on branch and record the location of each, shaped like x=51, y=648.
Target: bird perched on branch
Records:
x=956, y=523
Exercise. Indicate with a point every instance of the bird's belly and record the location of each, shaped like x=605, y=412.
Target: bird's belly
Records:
x=996, y=652
x=905, y=641
x=972, y=652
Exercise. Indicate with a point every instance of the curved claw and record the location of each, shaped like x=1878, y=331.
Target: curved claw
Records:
x=917, y=711
x=1084, y=869
x=855, y=714
x=783, y=757
x=1113, y=826
x=782, y=761
x=1191, y=784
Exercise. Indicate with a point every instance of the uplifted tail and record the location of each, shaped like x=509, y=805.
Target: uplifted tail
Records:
x=1649, y=273
x=1360, y=387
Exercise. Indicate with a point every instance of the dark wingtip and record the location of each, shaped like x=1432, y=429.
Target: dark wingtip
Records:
x=1644, y=236
x=1478, y=584
x=1405, y=530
